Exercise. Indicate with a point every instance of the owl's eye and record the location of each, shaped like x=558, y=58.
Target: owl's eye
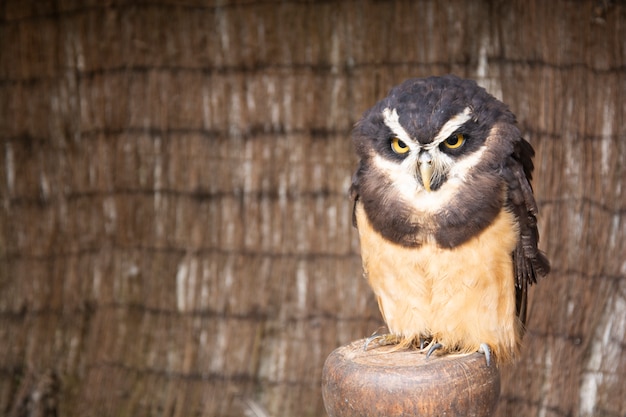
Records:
x=454, y=141
x=398, y=146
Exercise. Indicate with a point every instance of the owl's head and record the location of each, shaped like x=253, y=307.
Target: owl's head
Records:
x=433, y=147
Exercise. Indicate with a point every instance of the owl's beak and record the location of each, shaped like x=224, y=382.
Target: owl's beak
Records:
x=425, y=165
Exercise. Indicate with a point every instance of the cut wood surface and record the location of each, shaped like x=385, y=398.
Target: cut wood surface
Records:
x=386, y=382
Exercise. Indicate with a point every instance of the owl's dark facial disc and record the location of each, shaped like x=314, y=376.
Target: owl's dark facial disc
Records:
x=430, y=163
x=431, y=156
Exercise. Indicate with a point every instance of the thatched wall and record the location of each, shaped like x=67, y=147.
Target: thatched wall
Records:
x=175, y=231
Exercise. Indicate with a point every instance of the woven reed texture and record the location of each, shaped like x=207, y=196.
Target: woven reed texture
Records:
x=175, y=232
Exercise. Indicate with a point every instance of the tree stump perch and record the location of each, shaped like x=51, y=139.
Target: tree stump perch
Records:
x=382, y=382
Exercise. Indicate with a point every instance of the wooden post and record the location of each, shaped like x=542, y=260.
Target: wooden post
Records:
x=382, y=382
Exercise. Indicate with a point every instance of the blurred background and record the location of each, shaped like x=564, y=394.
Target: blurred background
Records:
x=175, y=226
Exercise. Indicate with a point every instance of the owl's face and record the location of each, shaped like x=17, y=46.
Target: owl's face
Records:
x=431, y=154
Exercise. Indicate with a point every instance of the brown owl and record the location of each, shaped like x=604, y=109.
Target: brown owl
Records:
x=446, y=217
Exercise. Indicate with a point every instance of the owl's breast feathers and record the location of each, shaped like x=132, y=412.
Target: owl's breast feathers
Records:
x=460, y=297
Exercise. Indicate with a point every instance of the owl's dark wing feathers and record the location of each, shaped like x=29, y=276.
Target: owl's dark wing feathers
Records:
x=528, y=261
x=354, y=191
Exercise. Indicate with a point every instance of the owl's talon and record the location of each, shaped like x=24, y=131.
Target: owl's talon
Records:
x=485, y=350
x=423, y=342
x=433, y=348
x=369, y=340
x=382, y=340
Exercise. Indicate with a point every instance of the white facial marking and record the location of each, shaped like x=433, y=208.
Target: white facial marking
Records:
x=463, y=166
x=450, y=127
x=402, y=174
x=392, y=121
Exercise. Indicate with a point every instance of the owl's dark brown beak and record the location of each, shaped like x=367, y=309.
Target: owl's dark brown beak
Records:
x=425, y=165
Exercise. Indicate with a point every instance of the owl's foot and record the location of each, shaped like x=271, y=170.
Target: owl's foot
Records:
x=381, y=340
x=433, y=346
x=402, y=342
x=485, y=350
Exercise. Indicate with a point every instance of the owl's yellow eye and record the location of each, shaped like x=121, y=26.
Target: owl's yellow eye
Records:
x=454, y=141
x=398, y=146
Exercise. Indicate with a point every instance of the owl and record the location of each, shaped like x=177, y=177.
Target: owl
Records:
x=446, y=217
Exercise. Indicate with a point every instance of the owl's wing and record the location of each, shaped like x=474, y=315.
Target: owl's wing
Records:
x=354, y=190
x=528, y=261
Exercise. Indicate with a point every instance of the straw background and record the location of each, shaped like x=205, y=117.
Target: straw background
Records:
x=175, y=229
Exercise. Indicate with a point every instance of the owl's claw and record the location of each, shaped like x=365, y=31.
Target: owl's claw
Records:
x=433, y=348
x=381, y=339
x=423, y=342
x=485, y=350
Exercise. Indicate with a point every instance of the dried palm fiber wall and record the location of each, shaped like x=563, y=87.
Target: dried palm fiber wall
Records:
x=175, y=232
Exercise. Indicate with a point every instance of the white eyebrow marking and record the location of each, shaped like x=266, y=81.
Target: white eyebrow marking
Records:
x=392, y=120
x=450, y=127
